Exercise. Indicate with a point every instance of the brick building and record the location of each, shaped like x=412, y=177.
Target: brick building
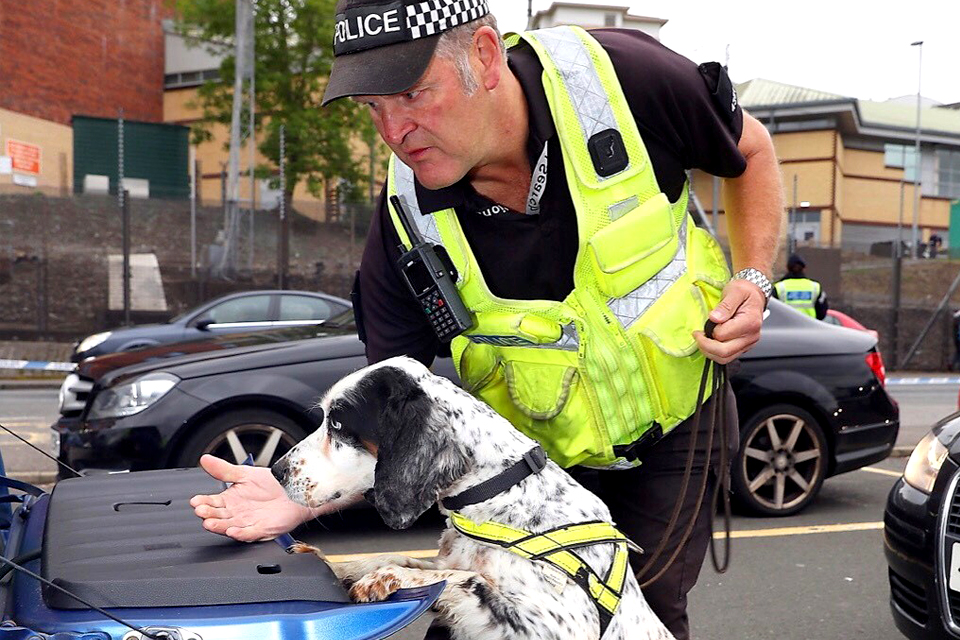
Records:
x=63, y=57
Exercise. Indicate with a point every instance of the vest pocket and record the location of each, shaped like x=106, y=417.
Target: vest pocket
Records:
x=666, y=330
x=540, y=392
x=633, y=248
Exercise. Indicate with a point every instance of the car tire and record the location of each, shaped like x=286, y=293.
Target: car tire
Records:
x=781, y=463
x=265, y=434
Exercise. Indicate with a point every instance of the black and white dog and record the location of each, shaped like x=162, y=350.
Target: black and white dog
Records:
x=406, y=438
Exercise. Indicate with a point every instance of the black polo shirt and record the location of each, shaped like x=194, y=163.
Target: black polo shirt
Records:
x=688, y=118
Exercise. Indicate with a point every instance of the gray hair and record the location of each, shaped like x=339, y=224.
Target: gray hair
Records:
x=454, y=45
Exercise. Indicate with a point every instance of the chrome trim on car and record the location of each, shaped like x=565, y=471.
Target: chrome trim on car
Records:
x=941, y=558
x=74, y=393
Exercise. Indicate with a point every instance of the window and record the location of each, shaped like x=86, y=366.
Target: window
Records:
x=246, y=309
x=609, y=19
x=948, y=173
x=898, y=156
x=306, y=308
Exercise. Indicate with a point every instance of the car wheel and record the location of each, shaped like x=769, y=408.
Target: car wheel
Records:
x=781, y=463
x=266, y=435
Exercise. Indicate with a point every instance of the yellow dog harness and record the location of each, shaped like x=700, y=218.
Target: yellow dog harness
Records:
x=557, y=547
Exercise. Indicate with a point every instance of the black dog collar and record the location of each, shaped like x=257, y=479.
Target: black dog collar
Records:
x=531, y=463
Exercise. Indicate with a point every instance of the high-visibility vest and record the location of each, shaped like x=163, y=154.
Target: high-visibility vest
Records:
x=800, y=293
x=614, y=366
x=557, y=547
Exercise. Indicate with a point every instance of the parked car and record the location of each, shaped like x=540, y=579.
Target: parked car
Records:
x=811, y=399
x=921, y=536
x=232, y=313
x=841, y=319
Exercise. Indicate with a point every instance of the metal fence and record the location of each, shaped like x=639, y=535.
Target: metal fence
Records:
x=61, y=267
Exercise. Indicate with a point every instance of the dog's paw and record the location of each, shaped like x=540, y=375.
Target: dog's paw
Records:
x=302, y=547
x=375, y=586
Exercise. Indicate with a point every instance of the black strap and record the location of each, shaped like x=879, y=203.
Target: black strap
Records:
x=531, y=463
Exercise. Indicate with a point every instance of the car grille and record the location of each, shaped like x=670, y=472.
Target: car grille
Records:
x=73, y=395
x=910, y=598
x=953, y=515
x=949, y=532
x=905, y=534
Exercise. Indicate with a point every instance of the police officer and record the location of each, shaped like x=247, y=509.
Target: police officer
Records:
x=554, y=175
x=799, y=291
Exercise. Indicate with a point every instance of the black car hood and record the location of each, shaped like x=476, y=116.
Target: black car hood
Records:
x=787, y=333
x=222, y=353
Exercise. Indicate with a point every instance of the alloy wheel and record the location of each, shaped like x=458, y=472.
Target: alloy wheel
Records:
x=782, y=462
x=264, y=442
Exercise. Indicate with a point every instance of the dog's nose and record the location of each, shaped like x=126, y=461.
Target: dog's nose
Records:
x=280, y=470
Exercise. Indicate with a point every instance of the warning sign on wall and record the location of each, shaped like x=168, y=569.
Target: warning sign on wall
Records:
x=25, y=157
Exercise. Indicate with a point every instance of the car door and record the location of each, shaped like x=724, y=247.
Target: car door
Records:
x=299, y=309
x=236, y=315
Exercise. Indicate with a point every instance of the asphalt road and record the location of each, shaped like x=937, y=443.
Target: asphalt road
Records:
x=28, y=413
x=920, y=407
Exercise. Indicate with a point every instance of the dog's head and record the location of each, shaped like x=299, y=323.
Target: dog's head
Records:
x=380, y=437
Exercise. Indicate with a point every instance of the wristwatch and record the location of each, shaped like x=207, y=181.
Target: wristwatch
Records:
x=756, y=277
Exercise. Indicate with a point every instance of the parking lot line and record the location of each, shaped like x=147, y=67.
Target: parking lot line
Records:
x=747, y=533
x=884, y=472
x=799, y=531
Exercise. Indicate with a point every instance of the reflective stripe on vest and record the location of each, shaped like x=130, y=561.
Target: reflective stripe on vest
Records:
x=557, y=547
x=800, y=293
x=614, y=365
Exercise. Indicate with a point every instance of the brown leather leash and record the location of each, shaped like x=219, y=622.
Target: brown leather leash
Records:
x=718, y=389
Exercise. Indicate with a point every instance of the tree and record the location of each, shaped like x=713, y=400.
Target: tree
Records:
x=293, y=56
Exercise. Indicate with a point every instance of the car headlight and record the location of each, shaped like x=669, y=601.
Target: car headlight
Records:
x=92, y=341
x=132, y=397
x=925, y=463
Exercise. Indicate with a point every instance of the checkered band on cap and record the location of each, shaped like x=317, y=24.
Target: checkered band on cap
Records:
x=436, y=16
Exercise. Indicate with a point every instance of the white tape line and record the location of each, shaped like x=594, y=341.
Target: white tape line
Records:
x=923, y=380
x=37, y=365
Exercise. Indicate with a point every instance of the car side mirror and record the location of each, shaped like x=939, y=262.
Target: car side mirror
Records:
x=204, y=323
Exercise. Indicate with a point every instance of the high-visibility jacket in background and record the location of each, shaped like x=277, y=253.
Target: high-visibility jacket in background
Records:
x=800, y=293
x=614, y=366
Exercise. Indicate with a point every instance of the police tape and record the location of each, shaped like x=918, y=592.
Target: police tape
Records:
x=921, y=380
x=37, y=365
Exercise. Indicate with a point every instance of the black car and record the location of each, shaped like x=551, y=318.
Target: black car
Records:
x=921, y=536
x=233, y=313
x=811, y=399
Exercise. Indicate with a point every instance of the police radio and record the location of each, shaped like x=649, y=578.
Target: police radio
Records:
x=432, y=279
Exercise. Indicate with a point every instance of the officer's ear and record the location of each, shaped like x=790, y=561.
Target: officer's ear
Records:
x=488, y=54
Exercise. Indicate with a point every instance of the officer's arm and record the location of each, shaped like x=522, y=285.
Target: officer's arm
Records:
x=754, y=205
x=821, y=305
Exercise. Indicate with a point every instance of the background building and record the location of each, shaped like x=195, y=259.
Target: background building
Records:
x=593, y=16
x=853, y=165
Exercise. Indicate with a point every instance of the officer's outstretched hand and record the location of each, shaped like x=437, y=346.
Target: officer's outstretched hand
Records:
x=738, y=317
x=254, y=507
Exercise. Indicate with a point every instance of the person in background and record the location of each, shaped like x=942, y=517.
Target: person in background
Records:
x=799, y=291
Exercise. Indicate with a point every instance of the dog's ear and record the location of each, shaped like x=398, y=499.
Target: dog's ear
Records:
x=416, y=456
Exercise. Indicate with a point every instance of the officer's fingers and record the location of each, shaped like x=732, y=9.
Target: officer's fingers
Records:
x=743, y=324
x=206, y=511
x=215, y=500
x=246, y=534
x=733, y=297
x=723, y=352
